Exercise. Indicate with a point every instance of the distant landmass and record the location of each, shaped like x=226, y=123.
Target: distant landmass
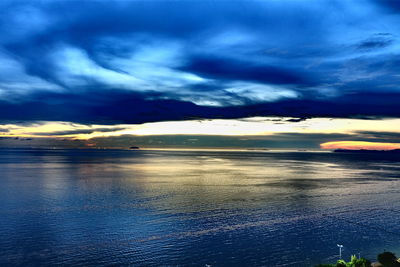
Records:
x=134, y=147
x=367, y=151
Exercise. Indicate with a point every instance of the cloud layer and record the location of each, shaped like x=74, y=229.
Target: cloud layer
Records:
x=141, y=61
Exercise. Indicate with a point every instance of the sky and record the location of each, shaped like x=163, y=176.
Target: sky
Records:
x=189, y=73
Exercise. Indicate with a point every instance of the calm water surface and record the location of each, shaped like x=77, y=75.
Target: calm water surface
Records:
x=192, y=208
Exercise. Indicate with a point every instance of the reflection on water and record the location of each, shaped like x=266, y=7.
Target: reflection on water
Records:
x=191, y=208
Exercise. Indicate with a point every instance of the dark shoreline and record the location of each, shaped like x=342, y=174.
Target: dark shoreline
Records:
x=366, y=151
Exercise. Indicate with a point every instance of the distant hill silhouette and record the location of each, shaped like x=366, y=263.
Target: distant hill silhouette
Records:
x=366, y=151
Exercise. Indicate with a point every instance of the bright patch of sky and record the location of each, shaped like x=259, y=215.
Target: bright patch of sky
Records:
x=249, y=126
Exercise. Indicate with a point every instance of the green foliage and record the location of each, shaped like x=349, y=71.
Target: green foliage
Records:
x=354, y=262
x=361, y=262
x=341, y=263
x=353, y=258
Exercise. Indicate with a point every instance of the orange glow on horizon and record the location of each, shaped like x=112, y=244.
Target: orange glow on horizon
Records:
x=360, y=145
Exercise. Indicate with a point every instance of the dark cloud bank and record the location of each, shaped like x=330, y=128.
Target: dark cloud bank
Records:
x=115, y=107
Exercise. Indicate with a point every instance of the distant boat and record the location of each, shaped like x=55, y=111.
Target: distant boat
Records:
x=134, y=147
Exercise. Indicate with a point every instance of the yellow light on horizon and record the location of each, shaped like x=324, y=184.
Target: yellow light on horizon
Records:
x=355, y=145
x=223, y=127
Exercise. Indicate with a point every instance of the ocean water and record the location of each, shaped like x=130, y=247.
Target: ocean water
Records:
x=192, y=208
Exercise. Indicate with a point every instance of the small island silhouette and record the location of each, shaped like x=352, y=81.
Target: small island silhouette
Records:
x=368, y=151
x=134, y=147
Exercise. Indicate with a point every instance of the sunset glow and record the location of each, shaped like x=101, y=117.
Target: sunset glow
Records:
x=354, y=145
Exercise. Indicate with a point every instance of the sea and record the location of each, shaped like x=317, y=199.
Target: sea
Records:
x=195, y=207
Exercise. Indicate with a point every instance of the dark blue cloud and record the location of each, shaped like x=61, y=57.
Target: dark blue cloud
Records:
x=372, y=44
x=113, y=107
x=377, y=41
x=390, y=5
x=139, y=61
x=81, y=131
x=229, y=69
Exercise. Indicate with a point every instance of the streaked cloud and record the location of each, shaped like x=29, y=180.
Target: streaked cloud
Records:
x=75, y=69
x=143, y=61
x=16, y=83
